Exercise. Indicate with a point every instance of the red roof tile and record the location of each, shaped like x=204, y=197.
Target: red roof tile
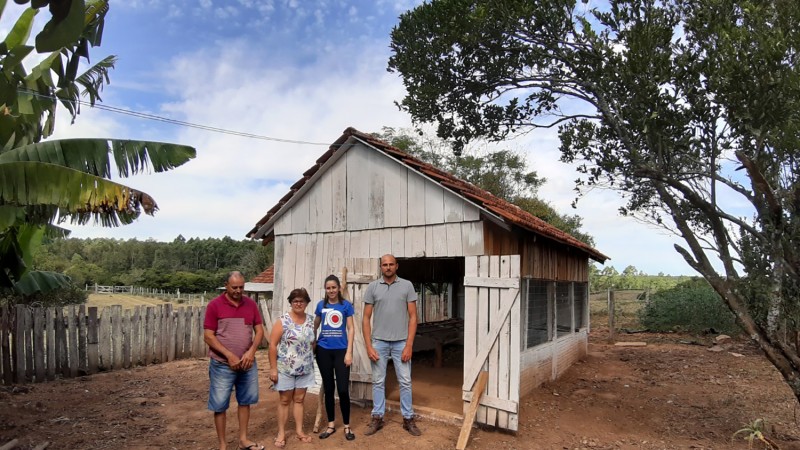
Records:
x=267, y=276
x=509, y=212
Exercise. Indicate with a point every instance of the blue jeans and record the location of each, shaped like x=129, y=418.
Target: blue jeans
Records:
x=393, y=350
x=222, y=380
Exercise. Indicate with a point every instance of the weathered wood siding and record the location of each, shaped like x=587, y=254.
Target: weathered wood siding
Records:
x=305, y=259
x=542, y=258
x=364, y=190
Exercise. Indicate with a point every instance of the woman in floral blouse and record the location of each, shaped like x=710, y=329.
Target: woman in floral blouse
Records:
x=291, y=362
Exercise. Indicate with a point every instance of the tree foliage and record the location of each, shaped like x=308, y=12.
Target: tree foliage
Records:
x=503, y=173
x=193, y=265
x=45, y=183
x=689, y=108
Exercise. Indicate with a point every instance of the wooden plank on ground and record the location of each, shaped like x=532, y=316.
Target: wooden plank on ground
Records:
x=469, y=416
x=630, y=344
x=10, y=444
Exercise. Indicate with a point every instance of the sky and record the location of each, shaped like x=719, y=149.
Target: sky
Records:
x=285, y=69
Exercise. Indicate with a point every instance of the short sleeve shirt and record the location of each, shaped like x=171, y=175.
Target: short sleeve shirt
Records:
x=232, y=324
x=390, y=308
x=333, y=324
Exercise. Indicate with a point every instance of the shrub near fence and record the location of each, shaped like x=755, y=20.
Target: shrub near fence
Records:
x=40, y=344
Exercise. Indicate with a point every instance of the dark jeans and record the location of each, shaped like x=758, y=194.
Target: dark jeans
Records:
x=330, y=363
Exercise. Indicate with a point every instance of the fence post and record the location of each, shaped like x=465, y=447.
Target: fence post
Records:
x=611, y=314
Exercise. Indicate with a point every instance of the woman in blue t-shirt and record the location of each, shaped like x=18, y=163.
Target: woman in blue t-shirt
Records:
x=335, y=352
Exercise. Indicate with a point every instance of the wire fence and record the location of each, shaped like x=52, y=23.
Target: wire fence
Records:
x=627, y=303
x=175, y=296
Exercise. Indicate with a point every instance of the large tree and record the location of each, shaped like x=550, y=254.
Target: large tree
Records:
x=44, y=183
x=689, y=108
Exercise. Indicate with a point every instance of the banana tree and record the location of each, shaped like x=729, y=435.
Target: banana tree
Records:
x=45, y=183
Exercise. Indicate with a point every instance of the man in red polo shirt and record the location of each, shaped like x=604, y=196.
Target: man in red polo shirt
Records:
x=230, y=324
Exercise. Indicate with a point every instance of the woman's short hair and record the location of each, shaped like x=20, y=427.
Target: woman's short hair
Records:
x=301, y=293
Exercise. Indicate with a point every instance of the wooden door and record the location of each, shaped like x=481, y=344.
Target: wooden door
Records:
x=360, y=272
x=492, y=337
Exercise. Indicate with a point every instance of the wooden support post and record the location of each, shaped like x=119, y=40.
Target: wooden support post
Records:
x=611, y=313
x=469, y=417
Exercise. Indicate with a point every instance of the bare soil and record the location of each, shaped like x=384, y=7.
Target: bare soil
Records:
x=670, y=394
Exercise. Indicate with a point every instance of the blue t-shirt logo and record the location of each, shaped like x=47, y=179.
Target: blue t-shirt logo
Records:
x=333, y=318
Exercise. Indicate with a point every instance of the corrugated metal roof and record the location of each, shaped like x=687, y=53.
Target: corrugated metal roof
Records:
x=507, y=211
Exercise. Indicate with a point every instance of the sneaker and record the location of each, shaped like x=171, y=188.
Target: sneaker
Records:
x=374, y=425
x=411, y=426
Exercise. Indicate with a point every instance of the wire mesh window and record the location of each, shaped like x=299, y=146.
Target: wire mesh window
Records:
x=537, y=313
x=563, y=309
x=580, y=294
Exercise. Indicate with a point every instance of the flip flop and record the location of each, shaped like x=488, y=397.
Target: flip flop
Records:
x=280, y=444
x=305, y=439
x=253, y=446
x=327, y=432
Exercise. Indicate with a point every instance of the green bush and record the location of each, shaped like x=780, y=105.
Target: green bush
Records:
x=691, y=306
x=69, y=295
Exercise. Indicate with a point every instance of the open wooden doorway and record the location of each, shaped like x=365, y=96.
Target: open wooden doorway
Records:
x=438, y=361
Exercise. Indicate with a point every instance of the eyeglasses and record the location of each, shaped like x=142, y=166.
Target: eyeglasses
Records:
x=297, y=302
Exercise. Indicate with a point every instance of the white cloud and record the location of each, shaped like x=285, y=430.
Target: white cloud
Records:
x=301, y=85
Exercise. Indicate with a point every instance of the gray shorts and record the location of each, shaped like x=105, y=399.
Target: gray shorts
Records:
x=292, y=382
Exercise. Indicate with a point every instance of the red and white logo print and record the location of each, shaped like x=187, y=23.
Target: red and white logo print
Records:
x=333, y=318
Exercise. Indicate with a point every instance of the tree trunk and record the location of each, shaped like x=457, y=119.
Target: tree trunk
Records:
x=785, y=361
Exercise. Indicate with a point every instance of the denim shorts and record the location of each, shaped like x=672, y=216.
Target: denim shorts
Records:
x=222, y=380
x=292, y=382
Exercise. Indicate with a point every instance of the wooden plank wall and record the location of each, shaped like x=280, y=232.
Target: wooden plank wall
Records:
x=365, y=189
x=304, y=260
x=41, y=344
x=542, y=258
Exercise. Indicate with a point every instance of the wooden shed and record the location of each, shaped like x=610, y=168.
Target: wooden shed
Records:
x=513, y=286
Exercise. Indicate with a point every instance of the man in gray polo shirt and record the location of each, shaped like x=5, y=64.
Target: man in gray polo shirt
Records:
x=390, y=335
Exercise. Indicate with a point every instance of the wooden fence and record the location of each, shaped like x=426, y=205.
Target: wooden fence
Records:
x=40, y=344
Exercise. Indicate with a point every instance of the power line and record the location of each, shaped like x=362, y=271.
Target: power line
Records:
x=182, y=123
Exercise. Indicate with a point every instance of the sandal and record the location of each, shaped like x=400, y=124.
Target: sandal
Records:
x=253, y=446
x=328, y=432
x=348, y=434
x=304, y=439
x=279, y=443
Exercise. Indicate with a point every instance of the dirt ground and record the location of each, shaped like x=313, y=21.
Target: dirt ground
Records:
x=670, y=394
